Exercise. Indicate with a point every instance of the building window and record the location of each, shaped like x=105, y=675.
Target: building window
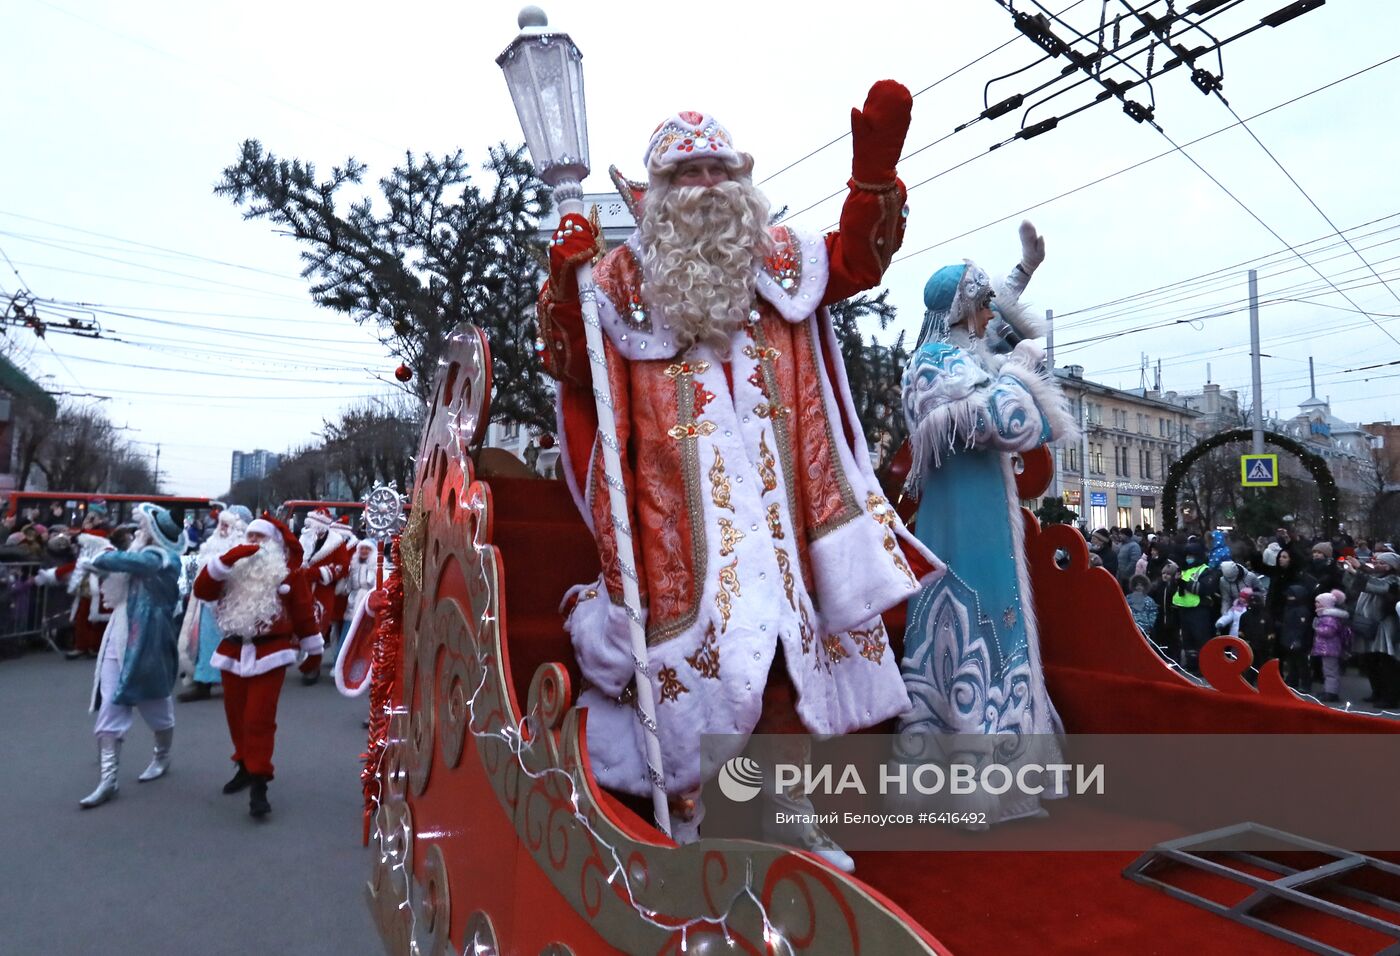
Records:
x=1072, y=459
x=1125, y=517
x=1149, y=512
x=1166, y=464
x=1098, y=516
x=1096, y=459
x=1095, y=413
x=1162, y=427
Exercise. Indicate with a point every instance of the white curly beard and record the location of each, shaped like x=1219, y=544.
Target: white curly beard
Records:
x=251, y=605
x=700, y=251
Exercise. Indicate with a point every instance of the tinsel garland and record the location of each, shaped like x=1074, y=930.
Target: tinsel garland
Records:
x=388, y=647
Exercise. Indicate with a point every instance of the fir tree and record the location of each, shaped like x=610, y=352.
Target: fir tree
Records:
x=439, y=251
x=874, y=372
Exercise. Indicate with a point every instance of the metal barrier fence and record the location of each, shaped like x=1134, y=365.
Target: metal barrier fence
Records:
x=29, y=609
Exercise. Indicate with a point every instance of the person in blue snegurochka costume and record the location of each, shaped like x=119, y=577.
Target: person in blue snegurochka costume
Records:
x=138, y=661
x=972, y=400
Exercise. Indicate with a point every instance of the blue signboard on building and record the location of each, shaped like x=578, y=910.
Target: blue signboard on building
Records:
x=1098, y=498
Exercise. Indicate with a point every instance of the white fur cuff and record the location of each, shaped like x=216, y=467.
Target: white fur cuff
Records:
x=218, y=570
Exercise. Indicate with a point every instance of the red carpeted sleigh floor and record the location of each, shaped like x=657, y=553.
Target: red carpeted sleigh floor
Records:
x=1102, y=681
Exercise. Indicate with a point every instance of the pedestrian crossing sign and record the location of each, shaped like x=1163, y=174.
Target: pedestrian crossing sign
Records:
x=1259, y=471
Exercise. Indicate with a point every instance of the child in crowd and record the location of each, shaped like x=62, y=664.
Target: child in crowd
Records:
x=1144, y=608
x=1229, y=622
x=1331, y=639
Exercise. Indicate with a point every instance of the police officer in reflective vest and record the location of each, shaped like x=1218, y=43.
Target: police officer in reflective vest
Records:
x=1193, y=609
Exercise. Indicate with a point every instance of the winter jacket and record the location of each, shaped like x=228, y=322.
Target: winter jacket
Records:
x=1255, y=628
x=1144, y=610
x=1295, y=625
x=1331, y=633
x=1374, y=622
x=1128, y=553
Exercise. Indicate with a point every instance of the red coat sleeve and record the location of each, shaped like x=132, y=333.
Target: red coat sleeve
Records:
x=206, y=587
x=300, y=605
x=871, y=232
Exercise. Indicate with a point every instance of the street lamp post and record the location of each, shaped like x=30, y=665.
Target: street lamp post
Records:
x=544, y=71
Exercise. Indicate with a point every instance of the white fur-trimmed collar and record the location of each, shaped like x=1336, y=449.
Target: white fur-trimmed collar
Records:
x=793, y=280
x=334, y=540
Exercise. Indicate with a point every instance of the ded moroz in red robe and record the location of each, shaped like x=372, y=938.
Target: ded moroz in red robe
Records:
x=757, y=517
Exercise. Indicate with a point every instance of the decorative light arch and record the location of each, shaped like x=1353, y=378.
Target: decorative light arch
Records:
x=1313, y=462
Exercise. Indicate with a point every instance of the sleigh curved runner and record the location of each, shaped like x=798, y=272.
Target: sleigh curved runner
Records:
x=490, y=832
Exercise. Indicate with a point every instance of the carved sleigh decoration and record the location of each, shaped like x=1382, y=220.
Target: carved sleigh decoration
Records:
x=479, y=847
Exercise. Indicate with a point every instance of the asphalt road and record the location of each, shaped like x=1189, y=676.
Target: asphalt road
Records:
x=174, y=866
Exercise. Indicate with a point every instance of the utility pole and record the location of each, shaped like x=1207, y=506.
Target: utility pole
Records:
x=1050, y=368
x=156, y=490
x=1254, y=362
x=1084, y=511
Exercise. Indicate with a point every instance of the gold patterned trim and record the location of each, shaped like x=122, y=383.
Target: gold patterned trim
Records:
x=728, y=590
x=691, y=430
x=687, y=368
x=705, y=661
x=775, y=522
x=766, y=464
x=785, y=567
x=835, y=653
x=762, y=353
x=671, y=686
x=882, y=512
x=412, y=540
x=782, y=434
x=719, y=484
x=729, y=536
x=872, y=642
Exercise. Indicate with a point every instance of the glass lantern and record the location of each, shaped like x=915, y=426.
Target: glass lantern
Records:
x=544, y=72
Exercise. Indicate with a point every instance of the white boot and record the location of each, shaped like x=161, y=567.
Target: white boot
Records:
x=805, y=836
x=109, y=749
x=160, y=756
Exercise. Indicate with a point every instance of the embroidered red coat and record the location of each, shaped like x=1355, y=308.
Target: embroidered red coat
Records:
x=276, y=645
x=756, y=516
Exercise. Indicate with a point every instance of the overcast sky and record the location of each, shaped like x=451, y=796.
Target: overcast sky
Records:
x=117, y=120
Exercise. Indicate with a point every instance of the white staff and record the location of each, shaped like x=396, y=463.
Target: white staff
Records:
x=544, y=72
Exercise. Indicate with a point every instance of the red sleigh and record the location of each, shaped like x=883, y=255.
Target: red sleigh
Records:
x=491, y=835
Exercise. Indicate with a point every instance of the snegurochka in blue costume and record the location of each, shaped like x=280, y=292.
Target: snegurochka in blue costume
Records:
x=138, y=661
x=973, y=398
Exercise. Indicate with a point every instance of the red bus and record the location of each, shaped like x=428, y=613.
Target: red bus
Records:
x=75, y=506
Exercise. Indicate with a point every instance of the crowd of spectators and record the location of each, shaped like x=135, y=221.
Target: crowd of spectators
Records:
x=1316, y=605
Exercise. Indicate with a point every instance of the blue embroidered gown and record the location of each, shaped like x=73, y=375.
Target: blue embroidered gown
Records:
x=971, y=657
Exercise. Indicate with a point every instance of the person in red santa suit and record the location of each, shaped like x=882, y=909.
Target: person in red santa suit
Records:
x=88, y=612
x=267, y=615
x=327, y=559
x=766, y=550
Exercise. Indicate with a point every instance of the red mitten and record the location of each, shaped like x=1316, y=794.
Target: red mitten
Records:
x=877, y=132
x=377, y=601
x=574, y=243
x=233, y=555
